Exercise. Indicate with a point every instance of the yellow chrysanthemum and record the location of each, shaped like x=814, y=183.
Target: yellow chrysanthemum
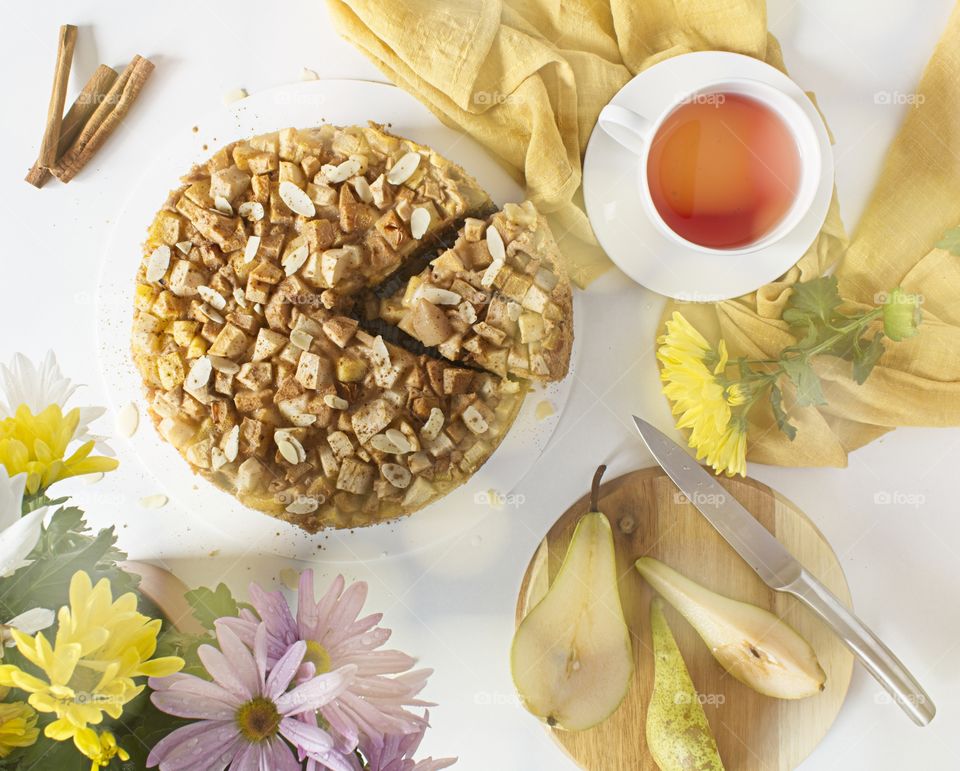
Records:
x=101, y=645
x=37, y=445
x=692, y=373
x=18, y=726
x=100, y=748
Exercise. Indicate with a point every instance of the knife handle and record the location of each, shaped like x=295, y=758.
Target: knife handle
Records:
x=878, y=659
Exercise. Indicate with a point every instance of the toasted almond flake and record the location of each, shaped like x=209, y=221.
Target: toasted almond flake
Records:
x=335, y=402
x=92, y=479
x=199, y=375
x=251, y=210
x=294, y=261
x=235, y=95
x=223, y=364
x=258, y=308
x=251, y=249
x=218, y=458
x=231, y=448
x=158, y=263
x=341, y=172
x=211, y=314
x=303, y=419
x=157, y=501
x=431, y=429
x=396, y=475
x=240, y=296
x=128, y=419
x=308, y=74
x=473, y=420
x=364, y=193
x=403, y=169
x=296, y=200
x=419, y=221
x=491, y=273
x=495, y=244
x=184, y=246
x=301, y=339
x=222, y=205
x=437, y=295
x=303, y=505
x=216, y=300
x=381, y=443
x=291, y=450
x=398, y=440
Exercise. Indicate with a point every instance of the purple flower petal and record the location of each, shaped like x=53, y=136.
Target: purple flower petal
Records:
x=196, y=686
x=275, y=612
x=308, y=738
x=350, y=604
x=241, y=661
x=283, y=671
x=166, y=750
x=191, y=706
x=222, y=671
x=315, y=693
x=379, y=662
x=250, y=759
x=278, y=756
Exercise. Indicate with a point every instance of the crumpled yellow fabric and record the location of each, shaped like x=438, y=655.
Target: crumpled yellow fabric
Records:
x=527, y=79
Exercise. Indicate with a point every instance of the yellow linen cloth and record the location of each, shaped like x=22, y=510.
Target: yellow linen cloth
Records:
x=527, y=79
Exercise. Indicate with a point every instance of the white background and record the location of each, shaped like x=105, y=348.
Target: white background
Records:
x=453, y=604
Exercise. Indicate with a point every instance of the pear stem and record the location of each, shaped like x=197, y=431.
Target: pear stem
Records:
x=595, y=487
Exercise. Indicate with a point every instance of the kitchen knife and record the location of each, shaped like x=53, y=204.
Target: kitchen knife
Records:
x=781, y=572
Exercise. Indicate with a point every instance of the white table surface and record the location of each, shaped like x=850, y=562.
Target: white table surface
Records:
x=452, y=604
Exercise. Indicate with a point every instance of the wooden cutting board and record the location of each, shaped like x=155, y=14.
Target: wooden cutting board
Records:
x=651, y=517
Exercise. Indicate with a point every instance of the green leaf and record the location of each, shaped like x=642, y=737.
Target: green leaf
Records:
x=951, y=241
x=866, y=355
x=210, y=604
x=818, y=299
x=779, y=414
x=805, y=380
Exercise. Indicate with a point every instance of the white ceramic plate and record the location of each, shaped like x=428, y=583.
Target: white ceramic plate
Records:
x=611, y=187
x=341, y=102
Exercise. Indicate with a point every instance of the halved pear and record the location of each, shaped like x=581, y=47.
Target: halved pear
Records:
x=572, y=660
x=751, y=643
x=678, y=733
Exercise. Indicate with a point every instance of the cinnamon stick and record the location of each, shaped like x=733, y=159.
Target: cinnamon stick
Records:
x=58, y=95
x=104, y=120
x=83, y=107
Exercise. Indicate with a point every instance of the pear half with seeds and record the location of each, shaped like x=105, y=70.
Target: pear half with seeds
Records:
x=751, y=643
x=572, y=660
x=678, y=734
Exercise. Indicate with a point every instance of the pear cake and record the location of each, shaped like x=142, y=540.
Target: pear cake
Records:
x=337, y=326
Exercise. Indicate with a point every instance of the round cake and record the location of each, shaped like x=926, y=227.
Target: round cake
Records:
x=337, y=326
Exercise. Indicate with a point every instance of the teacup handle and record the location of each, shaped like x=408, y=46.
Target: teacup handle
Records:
x=625, y=126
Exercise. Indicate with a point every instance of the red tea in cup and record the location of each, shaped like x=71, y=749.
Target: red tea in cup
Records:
x=723, y=170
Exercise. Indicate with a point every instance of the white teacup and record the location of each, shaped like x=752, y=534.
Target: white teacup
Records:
x=634, y=132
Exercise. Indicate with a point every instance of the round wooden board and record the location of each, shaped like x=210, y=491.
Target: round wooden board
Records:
x=651, y=517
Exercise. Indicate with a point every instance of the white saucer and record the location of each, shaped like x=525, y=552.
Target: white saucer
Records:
x=612, y=191
x=226, y=523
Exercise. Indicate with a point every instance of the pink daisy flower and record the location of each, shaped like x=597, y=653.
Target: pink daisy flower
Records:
x=248, y=713
x=395, y=752
x=374, y=702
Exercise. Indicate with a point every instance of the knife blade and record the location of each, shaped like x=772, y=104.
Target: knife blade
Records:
x=781, y=571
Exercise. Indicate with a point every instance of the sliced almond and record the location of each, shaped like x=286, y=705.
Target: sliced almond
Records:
x=382, y=443
x=128, y=419
x=308, y=74
x=335, y=402
x=398, y=440
x=396, y=475
x=296, y=199
x=364, y=193
x=224, y=365
x=437, y=295
x=184, y=246
x=199, y=375
x=235, y=95
x=290, y=448
x=216, y=300
x=251, y=210
x=403, y=169
x=294, y=261
x=218, y=458
x=473, y=420
x=158, y=263
x=301, y=339
x=431, y=429
x=419, y=221
x=495, y=244
x=341, y=172
x=154, y=501
x=240, y=296
x=303, y=419
x=491, y=273
x=223, y=206
x=303, y=505
x=212, y=314
x=251, y=249
x=231, y=448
